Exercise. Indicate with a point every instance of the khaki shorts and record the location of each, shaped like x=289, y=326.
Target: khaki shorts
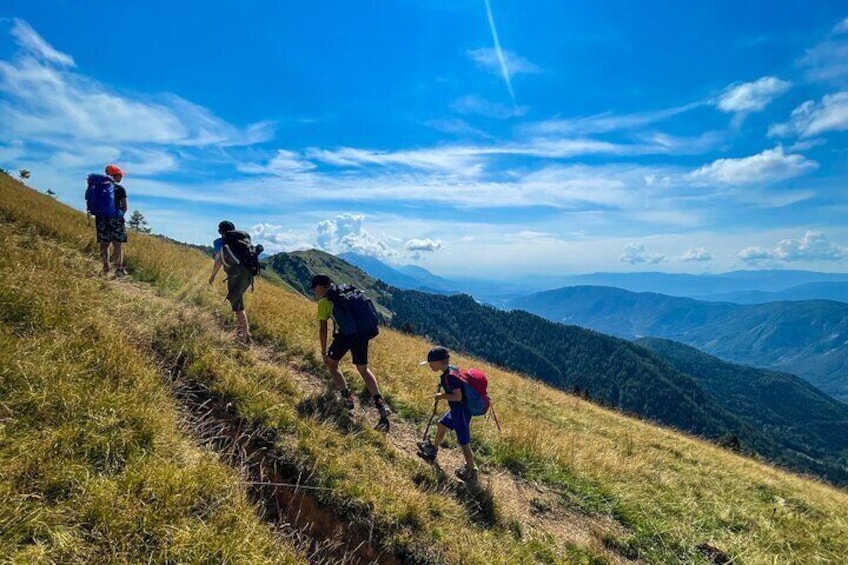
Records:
x=238, y=281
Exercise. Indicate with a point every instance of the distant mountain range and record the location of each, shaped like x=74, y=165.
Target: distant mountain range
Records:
x=807, y=338
x=613, y=371
x=837, y=291
x=742, y=287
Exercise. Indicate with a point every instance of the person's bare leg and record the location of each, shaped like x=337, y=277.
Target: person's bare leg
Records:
x=118, y=248
x=370, y=379
x=441, y=430
x=104, y=255
x=469, y=455
x=242, y=325
x=338, y=377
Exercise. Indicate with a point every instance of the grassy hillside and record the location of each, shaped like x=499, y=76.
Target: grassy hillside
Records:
x=566, y=481
x=804, y=427
x=805, y=338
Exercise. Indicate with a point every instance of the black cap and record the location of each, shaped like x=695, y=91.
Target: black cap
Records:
x=322, y=280
x=438, y=353
x=226, y=226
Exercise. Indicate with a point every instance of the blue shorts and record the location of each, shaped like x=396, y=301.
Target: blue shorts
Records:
x=458, y=419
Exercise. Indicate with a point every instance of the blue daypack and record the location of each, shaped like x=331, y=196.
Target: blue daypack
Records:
x=100, y=197
x=354, y=313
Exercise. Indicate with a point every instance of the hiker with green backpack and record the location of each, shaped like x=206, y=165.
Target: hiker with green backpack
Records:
x=355, y=324
x=467, y=395
x=240, y=259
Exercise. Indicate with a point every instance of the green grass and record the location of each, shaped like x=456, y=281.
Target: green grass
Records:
x=612, y=488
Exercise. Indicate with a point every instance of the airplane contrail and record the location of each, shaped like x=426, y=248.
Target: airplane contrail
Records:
x=499, y=51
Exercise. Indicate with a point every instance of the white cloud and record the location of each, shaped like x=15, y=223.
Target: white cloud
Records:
x=29, y=39
x=828, y=61
x=635, y=254
x=813, y=246
x=698, y=254
x=769, y=166
x=277, y=238
x=456, y=159
x=752, y=96
x=474, y=104
x=418, y=247
x=346, y=232
x=606, y=122
x=811, y=118
x=423, y=245
x=284, y=164
x=45, y=102
x=487, y=58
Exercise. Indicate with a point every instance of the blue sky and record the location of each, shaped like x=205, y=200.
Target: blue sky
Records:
x=469, y=137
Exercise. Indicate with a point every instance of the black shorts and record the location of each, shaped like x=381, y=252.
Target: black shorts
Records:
x=110, y=230
x=342, y=344
x=238, y=281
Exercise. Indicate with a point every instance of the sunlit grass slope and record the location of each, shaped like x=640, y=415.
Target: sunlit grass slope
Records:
x=647, y=494
x=94, y=465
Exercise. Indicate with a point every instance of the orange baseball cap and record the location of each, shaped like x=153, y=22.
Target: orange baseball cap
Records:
x=113, y=170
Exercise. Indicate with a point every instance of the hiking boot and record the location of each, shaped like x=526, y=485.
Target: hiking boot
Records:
x=244, y=338
x=427, y=451
x=347, y=399
x=120, y=272
x=466, y=474
x=383, y=425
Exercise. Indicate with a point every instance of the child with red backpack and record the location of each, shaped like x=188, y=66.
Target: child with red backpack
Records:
x=463, y=401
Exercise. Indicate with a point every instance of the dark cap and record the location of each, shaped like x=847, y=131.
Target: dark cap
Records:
x=226, y=226
x=320, y=280
x=438, y=353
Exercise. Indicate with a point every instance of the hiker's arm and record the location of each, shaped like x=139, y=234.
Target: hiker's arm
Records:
x=453, y=396
x=322, y=336
x=215, y=268
x=121, y=200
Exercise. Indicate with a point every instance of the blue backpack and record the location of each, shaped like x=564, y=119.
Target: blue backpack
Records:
x=100, y=197
x=354, y=313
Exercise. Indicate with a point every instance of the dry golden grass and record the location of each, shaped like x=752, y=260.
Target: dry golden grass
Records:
x=608, y=487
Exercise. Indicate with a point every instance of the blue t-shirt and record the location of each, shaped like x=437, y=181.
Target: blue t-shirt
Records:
x=450, y=383
x=218, y=245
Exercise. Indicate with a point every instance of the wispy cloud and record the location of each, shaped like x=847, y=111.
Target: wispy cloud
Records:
x=828, y=61
x=61, y=115
x=813, y=246
x=751, y=96
x=636, y=254
x=497, y=57
x=474, y=104
x=811, y=118
x=284, y=164
x=32, y=42
x=488, y=59
x=769, y=166
x=607, y=122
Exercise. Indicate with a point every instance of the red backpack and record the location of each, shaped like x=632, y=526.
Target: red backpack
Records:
x=475, y=387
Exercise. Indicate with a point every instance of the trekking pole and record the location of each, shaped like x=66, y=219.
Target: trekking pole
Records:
x=433, y=415
x=495, y=416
